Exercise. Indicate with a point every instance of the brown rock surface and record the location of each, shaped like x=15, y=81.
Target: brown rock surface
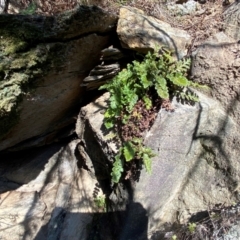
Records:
x=142, y=33
x=42, y=68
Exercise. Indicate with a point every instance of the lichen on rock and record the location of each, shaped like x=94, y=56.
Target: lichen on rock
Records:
x=43, y=60
x=19, y=71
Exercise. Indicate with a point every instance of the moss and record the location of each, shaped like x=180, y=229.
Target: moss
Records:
x=19, y=72
x=10, y=44
x=20, y=30
x=24, y=60
x=13, y=45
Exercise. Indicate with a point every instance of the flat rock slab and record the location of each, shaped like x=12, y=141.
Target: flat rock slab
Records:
x=142, y=33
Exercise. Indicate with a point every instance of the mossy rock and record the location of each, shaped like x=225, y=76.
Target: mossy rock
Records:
x=32, y=47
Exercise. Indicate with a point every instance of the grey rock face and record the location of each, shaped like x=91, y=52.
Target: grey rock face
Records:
x=194, y=169
x=143, y=33
x=188, y=7
x=49, y=200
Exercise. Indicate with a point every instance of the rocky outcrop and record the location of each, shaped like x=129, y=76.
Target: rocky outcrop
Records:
x=43, y=63
x=52, y=192
x=142, y=33
x=191, y=142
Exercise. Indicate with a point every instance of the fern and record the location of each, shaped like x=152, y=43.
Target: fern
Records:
x=157, y=71
x=117, y=169
x=128, y=151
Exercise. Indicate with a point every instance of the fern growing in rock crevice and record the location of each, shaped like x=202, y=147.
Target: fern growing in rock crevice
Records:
x=157, y=72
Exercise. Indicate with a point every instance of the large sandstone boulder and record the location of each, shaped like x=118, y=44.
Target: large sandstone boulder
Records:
x=43, y=62
x=142, y=33
x=195, y=167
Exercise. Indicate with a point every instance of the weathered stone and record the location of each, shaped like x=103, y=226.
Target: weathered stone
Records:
x=3, y=6
x=113, y=54
x=43, y=62
x=75, y=23
x=216, y=63
x=184, y=8
x=143, y=33
x=90, y=120
x=231, y=17
x=54, y=200
x=100, y=74
x=195, y=167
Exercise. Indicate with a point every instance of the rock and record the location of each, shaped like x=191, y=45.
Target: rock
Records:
x=53, y=200
x=231, y=20
x=113, y=54
x=83, y=20
x=3, y=6
x=43, y=63
x=143, y=33
x=233, y=233
x=112, y=61
x=216, y=63
x=195, y=167
x=186, y=8
x=90, y=120
x=100, y=74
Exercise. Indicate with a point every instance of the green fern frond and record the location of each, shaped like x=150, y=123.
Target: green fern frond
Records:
x=147, y=163
x=161, y=87
x=128, y=151
x=117, y=169
x=159, y=71
x=148, y=102
x=178, y=80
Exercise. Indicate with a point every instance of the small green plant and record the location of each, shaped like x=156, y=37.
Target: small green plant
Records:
x=160, y=74
x=31, y=9
x=100, y=202
x=192, y=227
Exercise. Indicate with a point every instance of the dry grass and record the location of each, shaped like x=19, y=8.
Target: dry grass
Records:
x=200, y=26
x=52, y=7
